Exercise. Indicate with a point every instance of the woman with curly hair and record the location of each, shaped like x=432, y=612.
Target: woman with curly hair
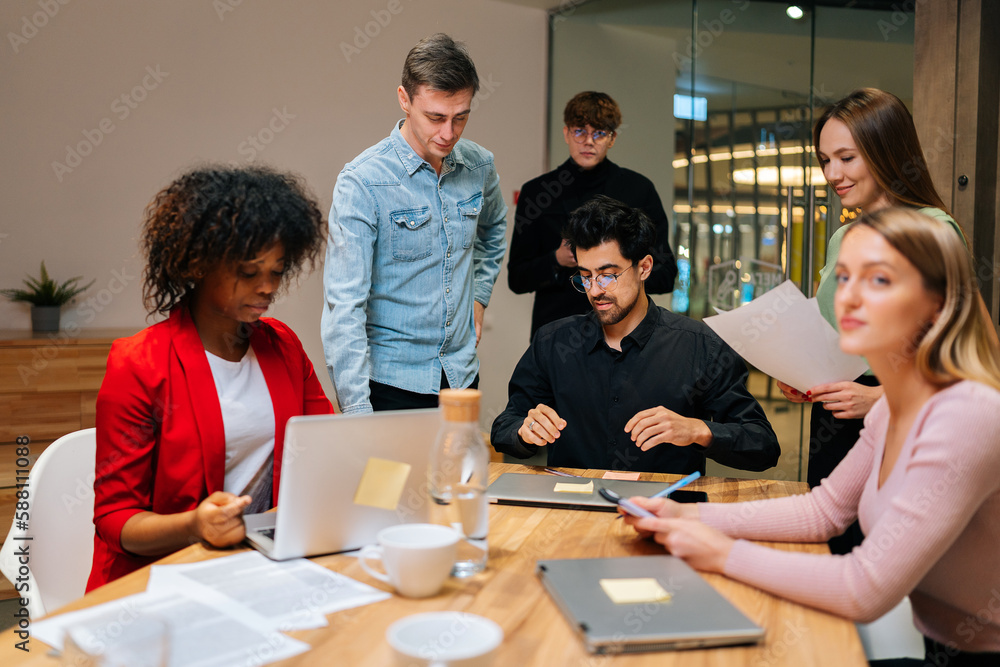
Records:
x=191, y=414
x=924, y=478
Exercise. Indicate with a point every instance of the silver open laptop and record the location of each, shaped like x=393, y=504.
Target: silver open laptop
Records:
x=344, y=478
x=691, y=614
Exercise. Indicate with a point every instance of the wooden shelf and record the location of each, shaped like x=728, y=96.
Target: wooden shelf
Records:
x=48, y=388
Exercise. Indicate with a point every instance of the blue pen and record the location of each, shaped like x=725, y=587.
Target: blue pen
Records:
x=676, y=485
x=665, y=492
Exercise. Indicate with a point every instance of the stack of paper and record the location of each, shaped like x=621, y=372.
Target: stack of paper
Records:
x=219, y=612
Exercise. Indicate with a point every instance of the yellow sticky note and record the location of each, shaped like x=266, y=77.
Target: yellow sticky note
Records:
x=382, y=483
x=566, y=487
x=633, y=591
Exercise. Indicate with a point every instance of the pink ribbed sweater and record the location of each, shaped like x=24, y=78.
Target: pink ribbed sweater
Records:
x=932, y=531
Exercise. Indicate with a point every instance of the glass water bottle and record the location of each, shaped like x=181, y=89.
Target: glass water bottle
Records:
x=458, y=476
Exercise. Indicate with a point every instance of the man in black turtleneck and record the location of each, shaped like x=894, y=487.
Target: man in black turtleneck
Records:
x=539, y=260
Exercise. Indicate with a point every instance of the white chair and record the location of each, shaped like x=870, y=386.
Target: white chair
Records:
x=892, y=635
x=60, y=531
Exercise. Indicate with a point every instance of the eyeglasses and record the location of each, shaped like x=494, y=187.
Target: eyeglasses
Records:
x=580, y=135
x=606, y=281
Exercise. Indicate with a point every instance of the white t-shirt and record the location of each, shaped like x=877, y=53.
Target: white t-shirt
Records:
x=248, y=420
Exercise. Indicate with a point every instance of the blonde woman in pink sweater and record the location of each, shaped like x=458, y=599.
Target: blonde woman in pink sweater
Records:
x=924, y=477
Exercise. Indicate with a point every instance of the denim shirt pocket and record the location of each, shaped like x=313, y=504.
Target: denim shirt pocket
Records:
x=412, y=237
x=469, y=210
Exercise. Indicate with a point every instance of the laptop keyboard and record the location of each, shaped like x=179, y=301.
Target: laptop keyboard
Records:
x=267, y=532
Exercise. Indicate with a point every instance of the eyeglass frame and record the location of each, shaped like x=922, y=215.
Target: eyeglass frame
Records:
x=584, y=135
x=585, y=283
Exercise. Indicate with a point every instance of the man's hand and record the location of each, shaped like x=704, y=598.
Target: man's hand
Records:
x=846, y=400
x=478, y=312
x=542, y=426
x=564, y=256
x=219, y=519
x=658, y=425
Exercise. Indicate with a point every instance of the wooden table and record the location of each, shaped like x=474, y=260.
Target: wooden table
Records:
x=510, y=593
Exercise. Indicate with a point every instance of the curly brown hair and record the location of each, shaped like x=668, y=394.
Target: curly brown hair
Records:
x=592, y=108
x=222, y=214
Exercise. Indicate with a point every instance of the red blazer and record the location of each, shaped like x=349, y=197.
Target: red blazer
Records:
x=160, y=440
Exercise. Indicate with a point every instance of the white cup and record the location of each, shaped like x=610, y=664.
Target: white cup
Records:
x=417, y=557
x=444, y=639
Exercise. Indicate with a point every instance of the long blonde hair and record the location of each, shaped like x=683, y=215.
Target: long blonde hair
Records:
x=957, y=346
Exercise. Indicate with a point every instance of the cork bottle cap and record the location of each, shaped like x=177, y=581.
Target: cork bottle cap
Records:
x=460, y=405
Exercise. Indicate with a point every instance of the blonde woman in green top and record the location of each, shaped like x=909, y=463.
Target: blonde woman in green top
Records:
x=868, y=149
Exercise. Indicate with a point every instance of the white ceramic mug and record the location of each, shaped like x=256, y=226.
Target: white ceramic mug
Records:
x=417, y=557
x=444, y=639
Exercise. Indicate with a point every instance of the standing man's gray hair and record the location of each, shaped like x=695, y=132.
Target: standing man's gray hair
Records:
x=440, y=63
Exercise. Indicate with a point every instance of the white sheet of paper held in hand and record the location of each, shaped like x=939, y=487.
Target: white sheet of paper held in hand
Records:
x=784, y=335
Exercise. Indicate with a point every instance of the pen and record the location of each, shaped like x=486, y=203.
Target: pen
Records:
x=673, y=487
x=676, y=485
x=559, y=472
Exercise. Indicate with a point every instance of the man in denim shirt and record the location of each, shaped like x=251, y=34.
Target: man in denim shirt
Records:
x=417, y=234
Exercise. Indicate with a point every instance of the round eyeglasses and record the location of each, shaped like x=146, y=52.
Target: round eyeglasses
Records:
x=580, y=135
x=606, y=281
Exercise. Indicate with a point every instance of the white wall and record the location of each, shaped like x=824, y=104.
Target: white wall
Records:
x=224, y=69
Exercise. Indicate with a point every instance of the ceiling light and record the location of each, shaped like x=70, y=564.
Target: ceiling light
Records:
x=768, y=176
x=794, y=12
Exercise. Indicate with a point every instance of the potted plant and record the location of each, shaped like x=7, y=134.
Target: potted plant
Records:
x=47, y=297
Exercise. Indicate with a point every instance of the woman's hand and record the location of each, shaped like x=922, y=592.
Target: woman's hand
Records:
x=663, y=508
x=678, y=529
x=791, y=393
x=218, y=519
x=701, y=547
x=846, y=400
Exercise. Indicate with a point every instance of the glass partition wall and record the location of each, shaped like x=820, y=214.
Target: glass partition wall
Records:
x=718, y=100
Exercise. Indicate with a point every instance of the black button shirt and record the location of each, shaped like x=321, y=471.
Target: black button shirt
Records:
x=668, y=360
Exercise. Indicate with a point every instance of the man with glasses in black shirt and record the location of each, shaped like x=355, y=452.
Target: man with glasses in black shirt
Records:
x=630, y=385
x=540, y=260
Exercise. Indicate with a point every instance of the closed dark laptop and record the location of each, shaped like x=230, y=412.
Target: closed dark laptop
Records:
x=695, y=616
x=515, y=488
